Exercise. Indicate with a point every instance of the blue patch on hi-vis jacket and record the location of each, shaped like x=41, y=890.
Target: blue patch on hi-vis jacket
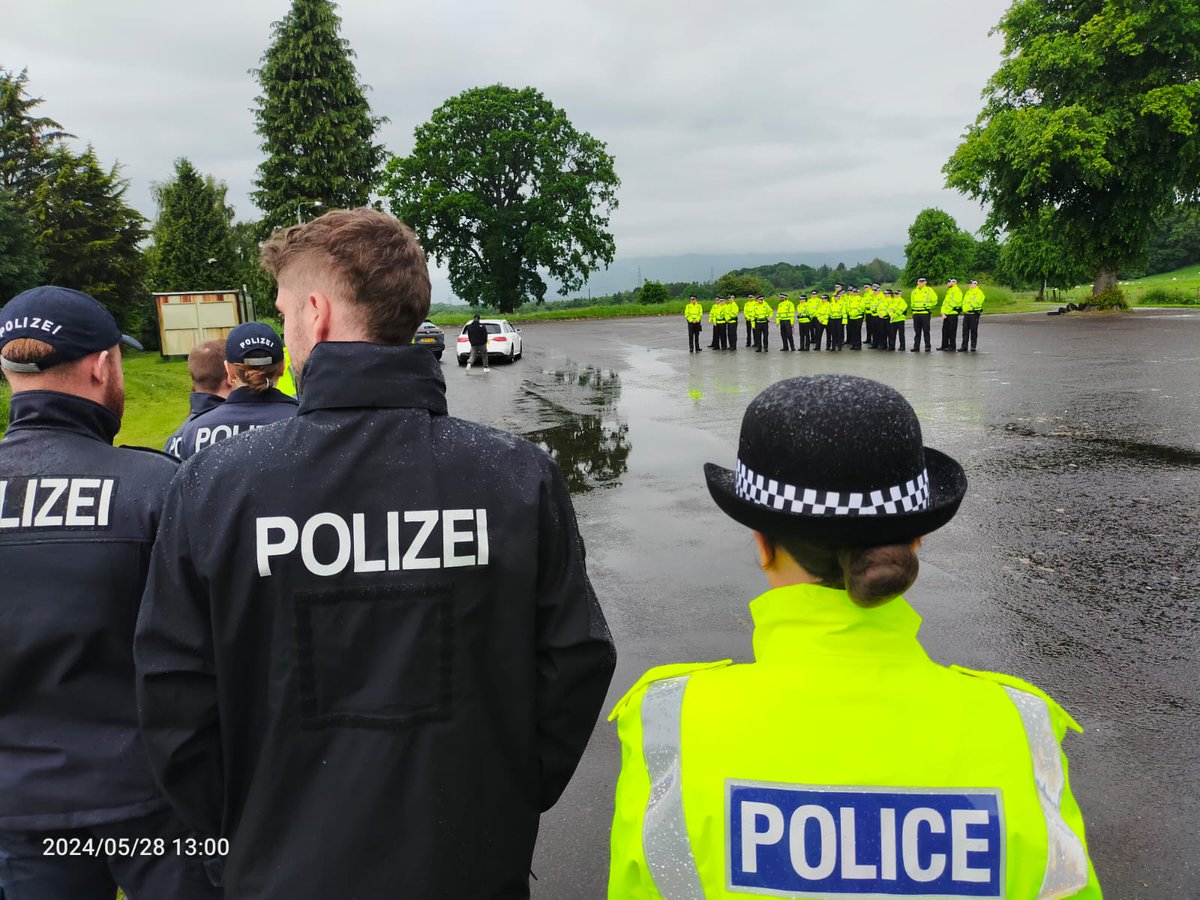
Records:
x=864, y=842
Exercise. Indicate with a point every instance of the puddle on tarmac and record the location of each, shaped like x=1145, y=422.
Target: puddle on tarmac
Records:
x=581, y=430
x=1095, y=445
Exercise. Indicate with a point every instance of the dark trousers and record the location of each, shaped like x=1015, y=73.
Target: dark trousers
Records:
x=818, y=331
x=970, y=330
x=27, y=872
x=895, y=335
x=805, y=330
x=749, y=332
x=693, y=336
x=855, y=336
x=785, y=336
x=920, y=327
x=718, y=338
x=949, y=332
x=762, y=334
x=883, y=328
x=838, y=328
x=870, y=320
x=731, y=334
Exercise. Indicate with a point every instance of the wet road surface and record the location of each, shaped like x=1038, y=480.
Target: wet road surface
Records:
x=1073, y=562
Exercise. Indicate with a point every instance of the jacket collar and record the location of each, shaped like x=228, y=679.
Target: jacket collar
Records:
x=248, y=395
x=202, y=402
x=800, y=621
x=348, y=375
x=62, y=412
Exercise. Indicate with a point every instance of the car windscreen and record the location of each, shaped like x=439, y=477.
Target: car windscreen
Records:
x=492, y=327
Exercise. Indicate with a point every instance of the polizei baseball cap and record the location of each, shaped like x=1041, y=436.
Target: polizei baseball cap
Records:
x=70, y=321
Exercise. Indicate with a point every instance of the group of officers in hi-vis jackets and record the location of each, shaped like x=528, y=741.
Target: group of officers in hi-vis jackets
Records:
x=349, y=647
x=838, y=321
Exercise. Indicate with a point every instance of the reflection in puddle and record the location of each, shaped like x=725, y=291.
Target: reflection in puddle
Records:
x=592, y=447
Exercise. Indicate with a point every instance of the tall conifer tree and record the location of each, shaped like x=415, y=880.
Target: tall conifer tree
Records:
x=193, y=227
x=88, y=237
x=317, y=128
x=26, y=140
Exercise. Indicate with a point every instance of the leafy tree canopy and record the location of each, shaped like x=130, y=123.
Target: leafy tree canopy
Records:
x=937, y=248
x=193, y=240
x=20, y=265
x=26, y=140
x=743, y=285
x=1091, y=126
x=502, y=187
x=653, y=292
x=1031, y=254
x=88, y=237
x=317, y=129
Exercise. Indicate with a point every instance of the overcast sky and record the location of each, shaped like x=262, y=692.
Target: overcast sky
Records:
x=755, y=126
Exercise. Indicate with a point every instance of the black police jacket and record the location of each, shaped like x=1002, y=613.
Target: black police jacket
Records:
x=198, y=402
x=369, y=653
x=77, y=520
x=244, y=410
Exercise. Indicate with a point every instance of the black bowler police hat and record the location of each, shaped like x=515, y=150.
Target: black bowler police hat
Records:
x=70, y=321
x=838, y=460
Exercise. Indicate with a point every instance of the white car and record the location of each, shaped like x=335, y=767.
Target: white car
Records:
x=504, y=341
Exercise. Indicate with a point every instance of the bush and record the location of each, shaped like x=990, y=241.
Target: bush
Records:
x=1113, y=298
x=653, y=292
x=1167, y=297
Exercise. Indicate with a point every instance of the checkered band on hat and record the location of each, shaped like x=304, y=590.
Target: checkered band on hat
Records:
x=911, y=496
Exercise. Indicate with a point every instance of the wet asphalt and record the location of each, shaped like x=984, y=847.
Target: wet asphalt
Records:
x=1073, y=562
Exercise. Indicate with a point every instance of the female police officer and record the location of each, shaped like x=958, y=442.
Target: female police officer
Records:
x=254, y=362
x=843, y=762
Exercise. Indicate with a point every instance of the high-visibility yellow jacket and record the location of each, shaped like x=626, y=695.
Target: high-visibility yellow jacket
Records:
x=952, y=302
x=923, y=299
x=855, y=306
x=785, y=311
x=287, y=383
x=765, y=311
x=842, y=762
x=804, y=310
x=837, y=308
x=898, y=310
x=693, y=312
x=823, y=312
x=871, y=303
x=731, y=311
x=973, y=300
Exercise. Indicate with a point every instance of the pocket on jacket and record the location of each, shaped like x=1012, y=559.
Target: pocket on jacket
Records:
x=375, y=657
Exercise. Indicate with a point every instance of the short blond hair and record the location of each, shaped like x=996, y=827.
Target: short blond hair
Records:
x=372, y=260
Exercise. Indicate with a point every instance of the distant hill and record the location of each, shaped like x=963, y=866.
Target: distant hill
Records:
x=623, y=274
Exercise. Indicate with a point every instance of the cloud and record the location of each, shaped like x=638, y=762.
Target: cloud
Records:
x=771, y=125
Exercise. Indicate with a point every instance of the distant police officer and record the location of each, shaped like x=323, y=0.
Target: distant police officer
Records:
x=210, y=385
x=731, y=321
x=843, y=761
x=369, y=654
x=254, y=364
x=785, y=314
x=972, y=305
x=951, y=307
x=716, y=321
x=762, y=325
x=79, y=810
x=923, y=299
x=693, y=313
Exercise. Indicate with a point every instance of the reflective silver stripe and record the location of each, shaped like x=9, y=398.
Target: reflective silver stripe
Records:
x=664, y=830
x=1066, y=860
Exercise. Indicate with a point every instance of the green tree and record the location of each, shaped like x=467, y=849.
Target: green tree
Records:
x=20, y=265
x=1090, y=128
x=248, y=274
x=653, y=292
x=743, y=285
x=986, y=260
x=26, y=140
x=317, y=128
x=937, y=248
x=193, y=240
x=1032, y=254
x=501, y=186
x=88, y=237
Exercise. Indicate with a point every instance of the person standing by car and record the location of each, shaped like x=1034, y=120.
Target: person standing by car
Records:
x=254, y=364
x=80, y=813
x=369, y=654
x=477, y=336
x=843, y=761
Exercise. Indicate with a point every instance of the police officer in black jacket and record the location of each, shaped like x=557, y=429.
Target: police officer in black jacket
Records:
x=79, y=809
x=210, y=386
x=253, y=365
x=369, y=654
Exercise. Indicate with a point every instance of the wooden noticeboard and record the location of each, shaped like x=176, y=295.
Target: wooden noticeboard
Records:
x=188, y=319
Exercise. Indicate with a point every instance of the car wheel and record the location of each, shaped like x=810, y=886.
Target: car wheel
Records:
x=509, y=359
x=437, y=354
x=462, y=361
x=520, y=353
